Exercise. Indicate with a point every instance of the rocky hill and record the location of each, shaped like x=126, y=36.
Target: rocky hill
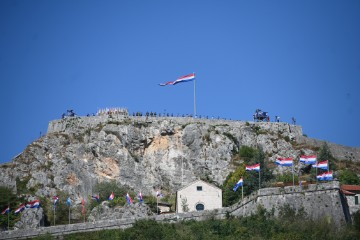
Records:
x=149, y=153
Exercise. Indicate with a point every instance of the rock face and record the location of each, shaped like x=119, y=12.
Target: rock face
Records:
x=30, y=218
x=148, y=153
x=134, y=211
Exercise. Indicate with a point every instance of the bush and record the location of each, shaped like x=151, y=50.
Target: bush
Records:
x=8, y=198
x=247, y=153
x=104, y=189
x=348, y=177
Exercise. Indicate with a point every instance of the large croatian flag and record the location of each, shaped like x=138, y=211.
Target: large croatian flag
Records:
x=322, y=165
x=326, y=176
x=308, y=159
x=286, y=162
x=255, y=167
x=238, y=184
x=186, y=78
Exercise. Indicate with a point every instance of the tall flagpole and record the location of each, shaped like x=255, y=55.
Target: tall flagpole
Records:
x=194, y=97
x=293, y=174
x=8, y=216
x=259, y=179
x=54, y=213
x=316, y=170
x=157, y=204
x=242, y=191
x=182, y=171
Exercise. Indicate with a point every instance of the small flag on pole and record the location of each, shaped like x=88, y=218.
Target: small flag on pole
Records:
x=255, y=167
x=33, y=204
x=6, y=211
x=20, y=209
x=308, y=159
x=95, y=197
x=83, y=206
x=128, y=198
x=159, y=194
x=140, y=197
x=68, y=202
x=111, y=197
x=56, y=200
x=326, y=176
x=322, y=165
x=238, y=184
x=286, y=162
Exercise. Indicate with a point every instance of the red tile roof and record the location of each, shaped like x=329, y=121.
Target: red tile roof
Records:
x=350, y=187
x=347, y=192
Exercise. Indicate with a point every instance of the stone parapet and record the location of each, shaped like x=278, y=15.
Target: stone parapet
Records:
x=317, y=201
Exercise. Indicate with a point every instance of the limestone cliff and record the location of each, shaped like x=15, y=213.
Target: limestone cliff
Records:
x=148, y=153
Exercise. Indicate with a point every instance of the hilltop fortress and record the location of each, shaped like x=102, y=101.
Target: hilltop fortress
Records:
x=148, y=153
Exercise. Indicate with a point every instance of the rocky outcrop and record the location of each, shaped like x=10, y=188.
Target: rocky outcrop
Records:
x=147, y=153
x=132, y=211
x=30, y=218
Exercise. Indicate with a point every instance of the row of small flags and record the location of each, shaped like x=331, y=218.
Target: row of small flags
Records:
x=288, y=162
x=310, y=160
x=36, y=203
x=33, y=204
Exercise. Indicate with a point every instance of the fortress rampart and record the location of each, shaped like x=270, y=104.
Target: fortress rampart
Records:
x=318, y=201
x=73, y=124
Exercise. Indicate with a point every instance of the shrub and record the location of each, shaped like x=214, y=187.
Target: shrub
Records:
x=348, y=177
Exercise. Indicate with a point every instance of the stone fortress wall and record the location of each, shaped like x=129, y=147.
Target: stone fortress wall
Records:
x=71, y=124
x=318, y=201
x=294, y=132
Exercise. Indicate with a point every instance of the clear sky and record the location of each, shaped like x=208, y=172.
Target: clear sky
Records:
x=290, y=58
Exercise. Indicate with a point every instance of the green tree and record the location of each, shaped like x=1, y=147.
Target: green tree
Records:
x=325, y=154
x=348, y=177
x=229, y=196
x=265, y=173
x=8, y=198
x=247, y=153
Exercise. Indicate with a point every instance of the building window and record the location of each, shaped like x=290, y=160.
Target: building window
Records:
x=199, y=188
x=356, y=200
x=200, y=207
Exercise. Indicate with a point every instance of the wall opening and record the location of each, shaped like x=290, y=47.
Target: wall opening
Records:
x=200, y=207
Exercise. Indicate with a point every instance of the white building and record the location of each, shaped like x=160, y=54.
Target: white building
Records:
x=198, y=196
x=352, y=193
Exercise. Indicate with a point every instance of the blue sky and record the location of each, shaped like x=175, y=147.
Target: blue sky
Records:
x=290, y=58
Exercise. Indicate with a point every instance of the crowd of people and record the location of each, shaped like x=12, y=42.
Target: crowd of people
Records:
x=124, y=112
x=110, y=111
